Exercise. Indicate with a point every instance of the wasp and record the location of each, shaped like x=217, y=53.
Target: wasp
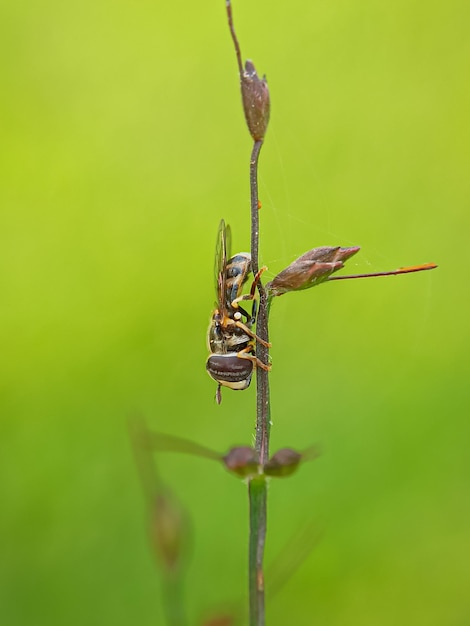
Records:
x=231, y=341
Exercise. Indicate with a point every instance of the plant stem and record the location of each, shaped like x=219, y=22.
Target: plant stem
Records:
x=257, y=489
x=170, y=521
x=254, y=205
x=262, y=381
x=257, y=494
x=174, y=605
x=228, y=7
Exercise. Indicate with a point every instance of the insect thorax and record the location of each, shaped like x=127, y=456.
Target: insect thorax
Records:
x=236, y=272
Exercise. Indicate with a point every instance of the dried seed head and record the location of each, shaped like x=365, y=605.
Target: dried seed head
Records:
x=310, y=269
x=242, y=460
x=256, y=101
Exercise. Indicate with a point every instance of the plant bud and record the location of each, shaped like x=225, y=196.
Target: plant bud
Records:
x=311, y=269
x=256, y=102
x=283, y=463
x=242, y=460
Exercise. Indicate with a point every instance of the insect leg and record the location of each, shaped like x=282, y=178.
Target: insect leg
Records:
x=254, y=284
x=246, y=354
x=256, y=280
x=249, y=319
x=250, y=333
x=254, y=311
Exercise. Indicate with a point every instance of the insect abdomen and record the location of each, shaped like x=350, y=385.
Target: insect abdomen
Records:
x=229, y=370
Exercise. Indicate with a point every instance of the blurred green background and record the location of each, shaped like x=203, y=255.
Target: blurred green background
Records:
x=122, y=145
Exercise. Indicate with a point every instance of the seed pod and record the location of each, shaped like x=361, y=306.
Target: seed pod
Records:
x=283, y=463
x=242, y=460
x=310, y=269
x=256, y=101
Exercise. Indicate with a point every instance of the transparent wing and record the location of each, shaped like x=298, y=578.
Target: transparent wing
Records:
x=222, y=253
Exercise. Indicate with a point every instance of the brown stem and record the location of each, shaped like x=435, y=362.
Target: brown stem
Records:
x=234, y=37
x=262, y=352
x=258, y=486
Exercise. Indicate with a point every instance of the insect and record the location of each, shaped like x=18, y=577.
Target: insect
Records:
x=231, y=341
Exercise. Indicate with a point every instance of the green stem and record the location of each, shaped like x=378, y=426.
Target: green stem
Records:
x=174, y=605
x=257, y=494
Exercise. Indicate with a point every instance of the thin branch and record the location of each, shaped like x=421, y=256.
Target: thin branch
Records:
x=401, y=270
x=258, y=486
x=262, y=330
x=234, y=37
x=254, y=208
x=257, y=490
